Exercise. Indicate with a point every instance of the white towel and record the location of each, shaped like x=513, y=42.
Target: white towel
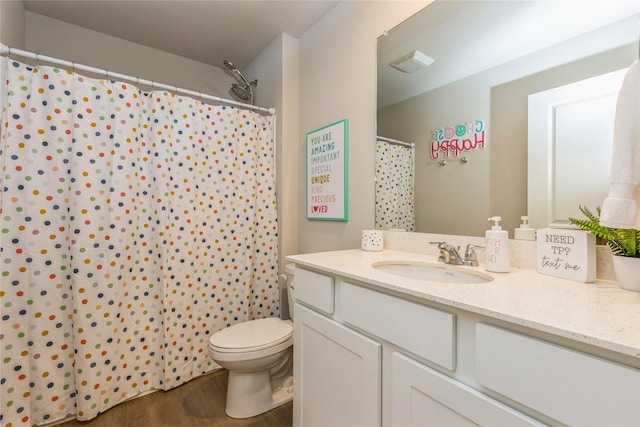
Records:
x=621, y=209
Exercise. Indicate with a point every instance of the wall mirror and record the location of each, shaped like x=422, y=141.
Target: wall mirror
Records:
x=485, y=60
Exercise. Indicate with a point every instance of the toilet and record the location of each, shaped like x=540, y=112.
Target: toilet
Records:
x=259, y=357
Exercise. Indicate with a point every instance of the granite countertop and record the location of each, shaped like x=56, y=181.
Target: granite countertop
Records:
x=599, y=313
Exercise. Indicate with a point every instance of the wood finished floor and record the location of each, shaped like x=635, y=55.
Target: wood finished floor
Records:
x=198, y=403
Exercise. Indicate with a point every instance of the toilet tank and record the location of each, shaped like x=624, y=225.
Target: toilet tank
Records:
x=288, y=278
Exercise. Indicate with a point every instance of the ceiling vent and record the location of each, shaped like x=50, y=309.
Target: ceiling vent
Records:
x=412, y=61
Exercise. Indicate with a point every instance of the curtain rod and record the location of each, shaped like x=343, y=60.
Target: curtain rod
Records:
x=8, y=51
x=395, y=141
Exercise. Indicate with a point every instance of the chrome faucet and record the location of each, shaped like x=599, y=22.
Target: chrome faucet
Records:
x=450, y=254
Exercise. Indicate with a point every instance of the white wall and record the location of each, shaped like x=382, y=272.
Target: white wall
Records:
x=12, y=29
x=338, y=81
x=73, y=43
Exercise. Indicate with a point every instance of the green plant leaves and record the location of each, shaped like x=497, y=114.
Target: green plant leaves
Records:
x=622, y=241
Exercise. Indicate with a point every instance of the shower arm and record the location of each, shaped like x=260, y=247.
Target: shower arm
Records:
x=235, y=70
x=246, y=82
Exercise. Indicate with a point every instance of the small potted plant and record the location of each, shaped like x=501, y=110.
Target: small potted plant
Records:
x=624, y=244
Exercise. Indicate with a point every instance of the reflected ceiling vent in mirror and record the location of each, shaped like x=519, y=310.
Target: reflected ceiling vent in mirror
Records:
x=412, y=61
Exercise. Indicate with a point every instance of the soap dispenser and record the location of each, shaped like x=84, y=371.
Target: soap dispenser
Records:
x=524, y=232
x=497, y=249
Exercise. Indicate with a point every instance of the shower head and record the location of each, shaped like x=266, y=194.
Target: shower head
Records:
x=244, y=92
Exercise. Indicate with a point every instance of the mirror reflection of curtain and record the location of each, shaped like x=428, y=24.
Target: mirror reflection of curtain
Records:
x=394, y=186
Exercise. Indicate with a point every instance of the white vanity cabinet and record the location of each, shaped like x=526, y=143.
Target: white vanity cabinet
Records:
x=337, y=370
x=364, y=356
x=341, y=330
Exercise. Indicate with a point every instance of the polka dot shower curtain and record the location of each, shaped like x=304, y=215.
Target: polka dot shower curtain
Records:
x=133, y=225
x=394, y=186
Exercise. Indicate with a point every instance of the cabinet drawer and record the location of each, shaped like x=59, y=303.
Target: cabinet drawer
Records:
x=314, y=289
x=423, y=397
x=422, y=330
x=571, y=387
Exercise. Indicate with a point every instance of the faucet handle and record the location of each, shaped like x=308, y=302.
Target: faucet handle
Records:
x=442, y=257
x=448, y=253
x=470, y=257
x=445, y=245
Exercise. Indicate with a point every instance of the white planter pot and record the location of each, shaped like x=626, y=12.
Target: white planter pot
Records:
x=627, y=272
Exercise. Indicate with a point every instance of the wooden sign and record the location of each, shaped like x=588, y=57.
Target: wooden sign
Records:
x=327, y=172
x=569, y=254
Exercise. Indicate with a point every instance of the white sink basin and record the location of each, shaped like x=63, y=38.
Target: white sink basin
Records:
x=432, y=272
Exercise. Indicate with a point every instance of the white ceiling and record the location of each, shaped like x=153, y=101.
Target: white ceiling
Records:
x=208, y=31
x=466, y=37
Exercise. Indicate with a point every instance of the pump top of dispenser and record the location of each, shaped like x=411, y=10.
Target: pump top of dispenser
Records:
x=524, y=232
x=496, y=222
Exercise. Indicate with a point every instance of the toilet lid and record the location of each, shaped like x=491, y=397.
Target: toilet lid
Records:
x=252, y=335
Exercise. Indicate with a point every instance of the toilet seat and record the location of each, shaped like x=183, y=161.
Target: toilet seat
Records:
x=251, y=336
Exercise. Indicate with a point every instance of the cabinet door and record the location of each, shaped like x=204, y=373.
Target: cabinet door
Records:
x=424, y=397
x=336, y=374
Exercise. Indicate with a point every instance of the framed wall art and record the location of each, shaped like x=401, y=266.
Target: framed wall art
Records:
x=327, y=172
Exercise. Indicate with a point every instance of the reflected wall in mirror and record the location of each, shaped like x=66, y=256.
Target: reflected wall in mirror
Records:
x=489, y=57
